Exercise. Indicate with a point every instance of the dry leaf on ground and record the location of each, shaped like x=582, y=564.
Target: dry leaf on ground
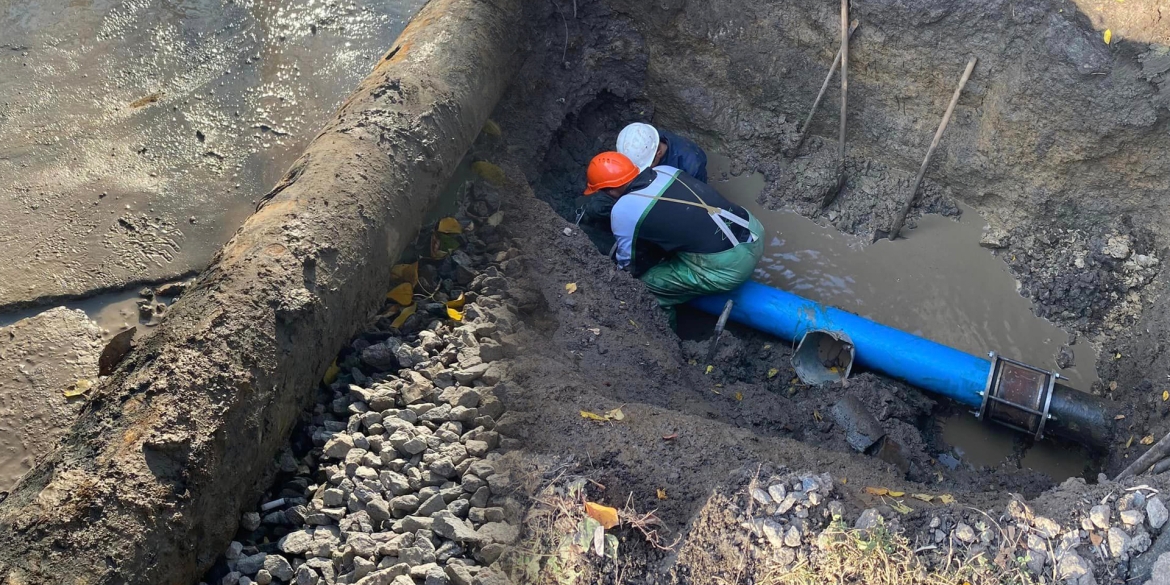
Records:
x=606, y=516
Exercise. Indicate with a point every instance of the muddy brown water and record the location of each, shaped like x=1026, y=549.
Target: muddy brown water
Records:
x=937, y=283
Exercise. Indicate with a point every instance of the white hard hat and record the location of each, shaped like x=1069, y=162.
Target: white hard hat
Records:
x=639, y=142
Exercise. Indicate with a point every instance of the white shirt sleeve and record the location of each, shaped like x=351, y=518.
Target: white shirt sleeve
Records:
x=623, y=220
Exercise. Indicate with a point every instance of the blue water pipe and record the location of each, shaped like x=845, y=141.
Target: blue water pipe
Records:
x=920, y=362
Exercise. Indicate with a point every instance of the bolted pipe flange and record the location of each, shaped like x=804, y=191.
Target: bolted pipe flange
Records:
x=1017, y=396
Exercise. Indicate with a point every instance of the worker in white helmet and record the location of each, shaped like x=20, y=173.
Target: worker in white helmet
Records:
x=648, y=147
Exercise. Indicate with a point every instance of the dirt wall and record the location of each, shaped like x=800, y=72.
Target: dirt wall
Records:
x=1053, y=123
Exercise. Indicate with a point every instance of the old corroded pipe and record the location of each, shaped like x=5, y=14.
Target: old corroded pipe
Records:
x=148, y=485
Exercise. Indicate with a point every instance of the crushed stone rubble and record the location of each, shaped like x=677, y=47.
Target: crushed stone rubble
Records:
x=399, y=483
x=789, y=516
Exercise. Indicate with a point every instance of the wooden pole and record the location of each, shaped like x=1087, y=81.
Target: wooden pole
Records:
x=1159, y=451
x=901, y=219
x=844, y=79
x=820, y=95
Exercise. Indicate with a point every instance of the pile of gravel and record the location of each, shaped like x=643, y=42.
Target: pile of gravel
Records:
x=399, y=481
x=788, y=512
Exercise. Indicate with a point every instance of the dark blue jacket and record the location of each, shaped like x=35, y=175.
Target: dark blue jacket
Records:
x=684, y=154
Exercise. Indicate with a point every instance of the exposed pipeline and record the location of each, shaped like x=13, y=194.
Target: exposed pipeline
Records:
x=1001, y=390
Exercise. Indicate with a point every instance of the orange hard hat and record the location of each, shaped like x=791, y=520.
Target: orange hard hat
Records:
x=608, y=170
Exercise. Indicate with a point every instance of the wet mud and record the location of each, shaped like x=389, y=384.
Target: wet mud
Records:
x=137, y=136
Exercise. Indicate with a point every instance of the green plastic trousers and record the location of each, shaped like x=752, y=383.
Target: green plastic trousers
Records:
x=688, y=275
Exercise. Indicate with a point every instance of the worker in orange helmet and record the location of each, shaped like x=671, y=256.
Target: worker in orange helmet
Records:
x=674, y=232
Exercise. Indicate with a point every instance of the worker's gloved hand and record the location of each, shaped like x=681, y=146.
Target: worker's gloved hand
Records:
x=596, y=207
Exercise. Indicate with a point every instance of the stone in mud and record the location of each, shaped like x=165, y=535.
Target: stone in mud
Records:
x=1156, y=513
x=387, y=576
x=1072, y=566
x=994, y=238
x=249, y=565
x=498, y=532
x=761, y=497
x=263, y=577
x=459, y=575
x=792, y=537
x=1118, y=542
x=777, y=492
x=868, y=519
x=234, y=550
x=296, y=543
x=278, y=567
x=250, y=521
x=381, y=355
x=1099, y=515
x=339, y=446
x=1065, y=357
x=448, y=526
x=964, y=533
x=1046, y=527
x=1132, y=517
x=1117, y=247
x=1141, y=541
x=432, y=505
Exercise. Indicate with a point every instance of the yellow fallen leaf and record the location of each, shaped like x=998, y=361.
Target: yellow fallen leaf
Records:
x=1117, y=356
x=817, y=416
x=456, y=304
x=739, y=395
x=1108, y=36
x=767, y=346
x=405, y=272
x=1165, y=395
x=1147, y=440
x=946, y=499
x=772, y=373
x=604, y=515
x=709, y=369
x=894, y=494
x=491, y=128
x=633, y=323
x=489, y=171
x=616, y=414
x=78, y=388
x=1119, y=417
x=585, y=414
x=400, y=320
x=1129, y=442
x=401, y=294
x=450, y=225
x=922, y=497
x=844, y=480
x=454, y=315
x=900, y=508
x=661, y=494
x=571, y=287
x=1095, y=539
x=331, y=373
x=876, y=491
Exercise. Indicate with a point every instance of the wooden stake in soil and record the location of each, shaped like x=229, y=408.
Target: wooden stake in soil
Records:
x=820, y=95
x=1160, y=450
x=844, y=86
x=832, y=193
x=901, y=219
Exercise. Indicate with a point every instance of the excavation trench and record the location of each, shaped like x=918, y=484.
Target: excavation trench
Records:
x=1074, y=260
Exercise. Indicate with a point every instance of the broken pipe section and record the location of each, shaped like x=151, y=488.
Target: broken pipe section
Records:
x=148, y=484
x=865, y=434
